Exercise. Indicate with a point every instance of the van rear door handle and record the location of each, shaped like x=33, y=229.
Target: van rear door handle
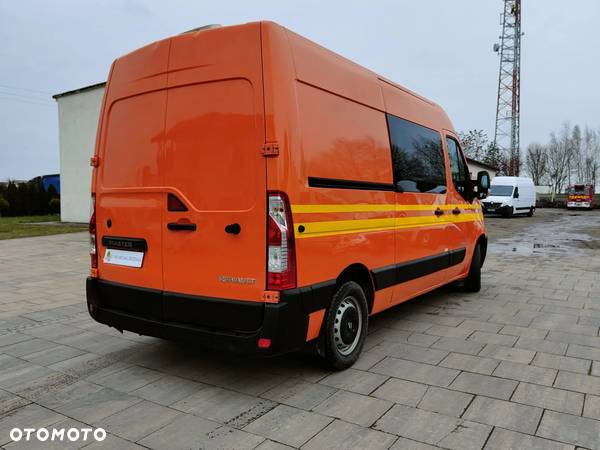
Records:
x=456, y=211
x=181, y=226
x=438, y=212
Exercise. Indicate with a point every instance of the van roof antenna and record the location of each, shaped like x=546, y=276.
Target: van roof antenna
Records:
x=205, y=27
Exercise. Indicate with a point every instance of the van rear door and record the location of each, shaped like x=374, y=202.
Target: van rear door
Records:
x=214, y=133
x=128, y=180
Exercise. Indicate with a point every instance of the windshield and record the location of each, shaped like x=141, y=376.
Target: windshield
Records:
x=501, y=190
x=578, y=189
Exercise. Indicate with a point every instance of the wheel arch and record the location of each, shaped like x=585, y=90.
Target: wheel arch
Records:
x=360, y=274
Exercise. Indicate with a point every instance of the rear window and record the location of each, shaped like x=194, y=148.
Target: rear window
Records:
x=501, y=190
x=417, y=157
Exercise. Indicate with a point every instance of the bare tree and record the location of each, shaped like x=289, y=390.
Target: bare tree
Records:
x=590, y=150
x=559, y=155
x=494, y=157
x=571, y=155
x=537, y=162
x=474, y=143
x=577, y=160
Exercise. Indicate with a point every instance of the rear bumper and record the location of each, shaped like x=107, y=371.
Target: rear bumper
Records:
x=142, y=311
x=579, y=205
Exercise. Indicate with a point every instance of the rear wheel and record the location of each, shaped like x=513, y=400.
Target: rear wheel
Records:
x=345, y=326
x=473, y=281
x=531, y=211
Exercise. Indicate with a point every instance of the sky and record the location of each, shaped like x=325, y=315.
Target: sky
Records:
x=440, y=49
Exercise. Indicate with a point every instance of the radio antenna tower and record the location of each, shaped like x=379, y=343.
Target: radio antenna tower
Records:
x=506, y=134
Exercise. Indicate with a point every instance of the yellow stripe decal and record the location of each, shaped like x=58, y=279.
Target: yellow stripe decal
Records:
x=330, y=228
x=305, y=209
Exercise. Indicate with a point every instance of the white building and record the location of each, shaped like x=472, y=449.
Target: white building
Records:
x=477, y=166
x=78, y=113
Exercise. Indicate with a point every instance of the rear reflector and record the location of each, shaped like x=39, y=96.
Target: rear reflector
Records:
x=281, y=255
x=264, y=343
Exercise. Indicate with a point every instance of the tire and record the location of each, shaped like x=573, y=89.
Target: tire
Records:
x=509, y=212
x=348, y=309
x=473, y=281
x=531, y=211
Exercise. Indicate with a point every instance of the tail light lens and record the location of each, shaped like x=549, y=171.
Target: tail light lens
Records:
x=93, y=249
x=281, y=255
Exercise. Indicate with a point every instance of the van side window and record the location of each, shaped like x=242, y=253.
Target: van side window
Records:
x=460, y=172
x=417, y=157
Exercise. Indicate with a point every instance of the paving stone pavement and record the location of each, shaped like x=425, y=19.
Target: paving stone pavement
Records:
x=514, y=366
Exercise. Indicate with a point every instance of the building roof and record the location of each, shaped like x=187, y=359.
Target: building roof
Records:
x=81, y=89
x=486, y=165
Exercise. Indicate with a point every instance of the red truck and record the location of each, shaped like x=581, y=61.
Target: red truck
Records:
x=580, y=196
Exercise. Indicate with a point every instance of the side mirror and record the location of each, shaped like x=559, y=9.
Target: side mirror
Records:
x=516, y=195
x=483, y=183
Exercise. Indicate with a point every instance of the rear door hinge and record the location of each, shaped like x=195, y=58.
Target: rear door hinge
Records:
x=95, y=161
x=270, y=149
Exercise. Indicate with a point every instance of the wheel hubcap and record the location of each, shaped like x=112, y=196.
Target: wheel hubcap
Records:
x=347, y=326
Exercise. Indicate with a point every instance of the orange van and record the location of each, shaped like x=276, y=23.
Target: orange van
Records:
x=255, y=192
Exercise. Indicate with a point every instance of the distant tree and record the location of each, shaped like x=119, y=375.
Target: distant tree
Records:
x=590, y=149
x=54, y=205
x=577, y=160
x=30, y=198
x=52, y=193
x=536, y=161
x=475, y=144
x=559, y=155
x=31, y=193
x=14, y=199
x=493, y=156
x=4, y=206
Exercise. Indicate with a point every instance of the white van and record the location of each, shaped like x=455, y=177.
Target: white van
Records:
x=510, y=195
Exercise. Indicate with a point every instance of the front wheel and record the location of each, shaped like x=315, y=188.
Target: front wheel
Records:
x=345, y=328
x=473, y=281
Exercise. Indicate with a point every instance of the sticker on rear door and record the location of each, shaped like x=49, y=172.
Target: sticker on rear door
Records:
x=123, y=258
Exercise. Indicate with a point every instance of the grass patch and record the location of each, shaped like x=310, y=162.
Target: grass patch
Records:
x=27, y=226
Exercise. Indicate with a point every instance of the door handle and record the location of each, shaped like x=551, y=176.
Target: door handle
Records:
x=438, y=212
x=181, y=226
x=456, y=211
x=233, y=228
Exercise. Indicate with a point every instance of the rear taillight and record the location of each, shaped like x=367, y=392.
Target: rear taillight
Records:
x=281, y=255
x=93, y=249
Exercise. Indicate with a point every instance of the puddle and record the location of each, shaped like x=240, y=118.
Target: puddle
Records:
x=527, y=249
x=572, y=235
x=540, y=245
